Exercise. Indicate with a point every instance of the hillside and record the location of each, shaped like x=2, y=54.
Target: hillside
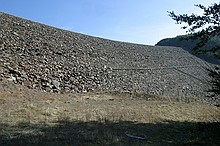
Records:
x=55, y=60
x=63, y=88
x=188, y=45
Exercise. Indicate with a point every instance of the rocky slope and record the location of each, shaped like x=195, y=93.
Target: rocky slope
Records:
x=55, y=60
x=188, y=45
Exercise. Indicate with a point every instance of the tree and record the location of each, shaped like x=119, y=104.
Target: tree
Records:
x=203, y=28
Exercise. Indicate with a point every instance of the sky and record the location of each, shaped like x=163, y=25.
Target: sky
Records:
x=134, y=21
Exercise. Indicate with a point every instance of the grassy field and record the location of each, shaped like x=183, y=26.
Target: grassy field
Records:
x=30, y=117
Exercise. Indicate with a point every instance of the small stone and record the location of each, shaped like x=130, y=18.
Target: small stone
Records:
x=11, y=79
x=56, y=84
x=24, y=76
x=15, y=33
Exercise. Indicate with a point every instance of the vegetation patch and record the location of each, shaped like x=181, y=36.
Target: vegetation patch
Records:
x=30, y=117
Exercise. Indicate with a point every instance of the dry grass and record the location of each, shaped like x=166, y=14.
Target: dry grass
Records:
x=102, y=118
x=97, y=107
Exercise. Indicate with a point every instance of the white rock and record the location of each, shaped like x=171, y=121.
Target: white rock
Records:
x=11, y=79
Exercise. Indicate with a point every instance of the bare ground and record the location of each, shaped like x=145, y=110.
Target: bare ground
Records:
x=32, y=117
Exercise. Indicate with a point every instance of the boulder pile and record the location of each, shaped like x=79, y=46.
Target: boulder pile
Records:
x=50, y=59
x=55, y=60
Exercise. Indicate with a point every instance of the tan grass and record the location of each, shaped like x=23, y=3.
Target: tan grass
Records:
x=47, y=108
x=103, y=118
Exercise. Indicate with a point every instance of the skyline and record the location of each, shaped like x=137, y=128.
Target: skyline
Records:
x=140, y=21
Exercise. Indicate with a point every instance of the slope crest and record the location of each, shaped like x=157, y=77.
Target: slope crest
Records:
x=55, y=60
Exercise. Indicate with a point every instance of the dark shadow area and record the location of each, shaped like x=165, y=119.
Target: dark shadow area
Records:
x=111, y=133
x=188, y=45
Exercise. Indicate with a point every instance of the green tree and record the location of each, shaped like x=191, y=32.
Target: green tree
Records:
x=203, y=28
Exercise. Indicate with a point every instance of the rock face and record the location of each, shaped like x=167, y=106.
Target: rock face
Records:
x=55, y=60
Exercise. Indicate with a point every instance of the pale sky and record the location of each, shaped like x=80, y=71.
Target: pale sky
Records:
x=135, y=21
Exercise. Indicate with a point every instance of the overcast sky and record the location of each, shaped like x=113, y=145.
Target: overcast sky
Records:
x=136, y=21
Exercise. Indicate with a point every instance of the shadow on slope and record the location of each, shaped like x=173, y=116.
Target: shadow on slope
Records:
x=188, y=45
x=111, y=133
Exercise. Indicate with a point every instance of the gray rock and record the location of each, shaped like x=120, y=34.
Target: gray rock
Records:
x=15, y=33
x=24, y=76
x=11, y=79
x=55, y=84
x=51, y=59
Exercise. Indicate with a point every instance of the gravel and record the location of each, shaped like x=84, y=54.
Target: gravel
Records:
x=55, y=60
